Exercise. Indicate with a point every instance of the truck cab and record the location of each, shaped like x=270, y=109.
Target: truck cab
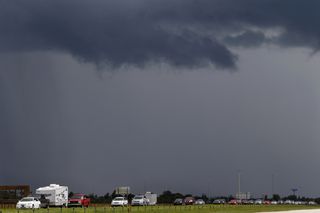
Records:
x=45, y=203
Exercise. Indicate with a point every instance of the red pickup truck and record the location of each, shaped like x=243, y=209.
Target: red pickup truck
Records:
x=79, y=200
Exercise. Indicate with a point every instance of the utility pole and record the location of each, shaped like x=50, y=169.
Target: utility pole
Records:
x=239, y=182
x=272, y=184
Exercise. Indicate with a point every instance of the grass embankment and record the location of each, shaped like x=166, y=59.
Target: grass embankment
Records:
x=167, y=209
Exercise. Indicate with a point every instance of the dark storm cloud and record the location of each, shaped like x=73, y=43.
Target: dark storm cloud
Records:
x=104, y=31
x=297, y=20
x=136, y=32
x=247, y=39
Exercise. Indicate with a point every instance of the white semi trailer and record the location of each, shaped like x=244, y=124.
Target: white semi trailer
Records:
x=56, y=194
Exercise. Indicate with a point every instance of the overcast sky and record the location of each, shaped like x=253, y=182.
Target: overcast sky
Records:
x=161, y=94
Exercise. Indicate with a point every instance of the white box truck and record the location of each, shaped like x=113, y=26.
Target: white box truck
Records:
x=152, y=198
x=56, y=194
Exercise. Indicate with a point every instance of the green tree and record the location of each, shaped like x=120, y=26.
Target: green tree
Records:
x=71, y=194
x=168, y=197
x=276, y=197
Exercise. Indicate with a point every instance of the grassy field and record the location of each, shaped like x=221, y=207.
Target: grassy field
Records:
x=167, y=209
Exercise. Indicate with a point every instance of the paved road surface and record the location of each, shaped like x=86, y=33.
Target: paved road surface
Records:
x=299, y=211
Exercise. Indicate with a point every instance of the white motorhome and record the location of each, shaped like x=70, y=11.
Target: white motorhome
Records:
x=152, y=198
x=56, y=194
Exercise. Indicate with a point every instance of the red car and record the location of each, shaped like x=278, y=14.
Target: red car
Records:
x=189, y=201
x=266, y=202
x=233, y=202
x=79, y=200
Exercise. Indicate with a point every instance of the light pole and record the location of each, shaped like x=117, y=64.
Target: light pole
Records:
x=272, y=184
x=239, y=183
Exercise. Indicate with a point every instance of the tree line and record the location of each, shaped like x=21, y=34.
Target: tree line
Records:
x=168, y=197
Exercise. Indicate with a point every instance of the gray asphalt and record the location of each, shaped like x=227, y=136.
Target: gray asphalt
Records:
x=299, y=211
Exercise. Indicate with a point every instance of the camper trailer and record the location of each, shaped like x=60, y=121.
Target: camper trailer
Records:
x=152, y=198
x=56, y=194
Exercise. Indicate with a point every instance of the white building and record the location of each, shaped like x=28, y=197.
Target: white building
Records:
x=243, y=196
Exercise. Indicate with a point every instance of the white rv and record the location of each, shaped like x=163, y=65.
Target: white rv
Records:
x=152, y=198
x=56, y=194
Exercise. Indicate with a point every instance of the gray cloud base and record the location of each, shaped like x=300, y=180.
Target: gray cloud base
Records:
x=136, y=32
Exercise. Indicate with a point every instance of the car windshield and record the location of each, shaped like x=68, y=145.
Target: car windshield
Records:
x=76, y=197
x=138, y=197
x=26, y=199
x=118, y=198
